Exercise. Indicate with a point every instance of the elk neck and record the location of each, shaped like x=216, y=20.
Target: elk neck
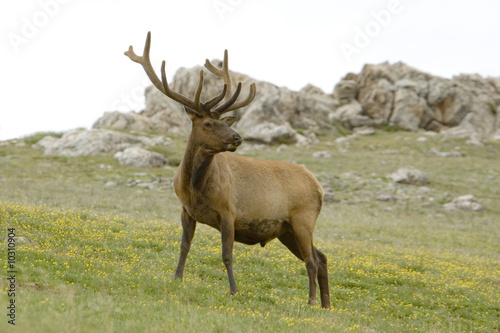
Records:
x=196, y=165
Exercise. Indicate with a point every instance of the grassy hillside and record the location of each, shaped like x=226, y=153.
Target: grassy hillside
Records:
x=97, y=245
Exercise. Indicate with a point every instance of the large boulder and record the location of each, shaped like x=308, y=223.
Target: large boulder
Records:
x=410, y=110
x=351, y=115
x=307, y=109
x=345, y=91
x=140, y=158
x=88, y=143
x=469, y=106
x=124, y=121
x=166, y=115
x=265, y=109
x=271, y=133
x=375, y=90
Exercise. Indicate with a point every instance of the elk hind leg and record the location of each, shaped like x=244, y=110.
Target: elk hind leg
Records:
x=299, y=242
x=323, y=279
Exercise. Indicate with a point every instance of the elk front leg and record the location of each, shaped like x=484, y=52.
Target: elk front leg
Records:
x=227, y=235
x=188, y=228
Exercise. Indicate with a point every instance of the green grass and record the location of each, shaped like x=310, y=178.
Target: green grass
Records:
x=101, y=259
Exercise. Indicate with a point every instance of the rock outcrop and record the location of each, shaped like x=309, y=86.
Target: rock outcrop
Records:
x=399, y=95
x=127, y=149
x=385, y=94
x=87, y=143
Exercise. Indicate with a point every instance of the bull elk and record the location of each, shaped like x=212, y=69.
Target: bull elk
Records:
x=248, y=200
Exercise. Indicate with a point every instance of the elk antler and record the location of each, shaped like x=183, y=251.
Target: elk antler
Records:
x=162, y=85
x=191, y=104
x=224, y=74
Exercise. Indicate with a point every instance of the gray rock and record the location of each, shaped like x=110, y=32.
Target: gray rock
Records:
x=307, y=139
x=351, y=115
x=376, y=92
x=385, y=198
x=425, y=190
x=495, y=82
x=87, y=143
x=410, y=110
x=364, y=131
x=465, y=202
x=124, y=121
x=271, y=133
x=346, y=90
x=322, y=154
x=140, y=158
x=434, y=151
x=168, y=116
x=409, y=175
x=45, y=142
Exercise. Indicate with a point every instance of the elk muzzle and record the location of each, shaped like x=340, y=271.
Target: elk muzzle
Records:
x=232, y=146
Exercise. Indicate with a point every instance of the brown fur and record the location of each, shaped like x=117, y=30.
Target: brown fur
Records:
x=250, y=201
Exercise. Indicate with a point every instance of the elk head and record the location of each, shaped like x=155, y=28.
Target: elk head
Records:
x=209, y=130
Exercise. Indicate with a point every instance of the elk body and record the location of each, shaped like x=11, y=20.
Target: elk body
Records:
x=248, y=200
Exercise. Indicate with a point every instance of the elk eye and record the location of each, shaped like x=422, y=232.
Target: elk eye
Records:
x=208, y=125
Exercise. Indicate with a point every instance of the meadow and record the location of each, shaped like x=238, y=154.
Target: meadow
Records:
x=95, y=257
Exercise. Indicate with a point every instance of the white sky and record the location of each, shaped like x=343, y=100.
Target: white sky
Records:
x=62, y=62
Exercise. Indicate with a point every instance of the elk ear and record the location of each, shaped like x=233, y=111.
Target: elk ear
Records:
x=229, y=120
x=192, y=113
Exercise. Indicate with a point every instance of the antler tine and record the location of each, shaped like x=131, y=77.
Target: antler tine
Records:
x=162, y=85
x=225, y=107
x=197, y=94
x=216, y=100
x=179, y=97
x=222, y=72
x=146, y=63
x=246, y=101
